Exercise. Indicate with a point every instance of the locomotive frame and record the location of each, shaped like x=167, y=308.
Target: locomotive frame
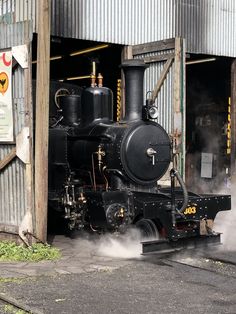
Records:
x=103, y=174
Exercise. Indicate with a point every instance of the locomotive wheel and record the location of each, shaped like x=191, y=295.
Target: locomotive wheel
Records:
x=148, y=228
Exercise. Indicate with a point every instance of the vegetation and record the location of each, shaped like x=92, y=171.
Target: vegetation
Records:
x=7, y=280
x=10, y=251
x=12, y=310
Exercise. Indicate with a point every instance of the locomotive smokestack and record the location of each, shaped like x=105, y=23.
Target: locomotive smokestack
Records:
x=134, y=74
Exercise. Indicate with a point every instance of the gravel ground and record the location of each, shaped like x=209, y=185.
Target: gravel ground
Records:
x=151, y=285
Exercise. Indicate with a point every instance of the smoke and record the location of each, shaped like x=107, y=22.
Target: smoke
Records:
x=225, y=223
x=112, y=246
x=126, y=246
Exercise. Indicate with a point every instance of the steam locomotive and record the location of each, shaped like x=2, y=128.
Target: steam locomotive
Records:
x=103, y=175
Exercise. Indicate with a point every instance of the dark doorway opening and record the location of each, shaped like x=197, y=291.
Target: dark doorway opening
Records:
x=72, y=62
x=207, y=114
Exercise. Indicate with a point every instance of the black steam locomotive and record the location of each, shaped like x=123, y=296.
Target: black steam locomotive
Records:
x=103, y=174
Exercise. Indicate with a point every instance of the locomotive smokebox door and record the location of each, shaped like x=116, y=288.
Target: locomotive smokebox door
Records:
x=146, y=152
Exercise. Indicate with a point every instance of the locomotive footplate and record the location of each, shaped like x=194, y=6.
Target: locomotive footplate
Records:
x=192, y=229
x=199, y=206
x=164, y=246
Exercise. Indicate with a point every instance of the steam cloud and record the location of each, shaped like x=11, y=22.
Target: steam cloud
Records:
x=114, y=246
x=225, y=222
x=127, y=246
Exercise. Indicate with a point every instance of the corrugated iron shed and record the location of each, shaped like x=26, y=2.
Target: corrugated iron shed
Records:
x=14, y=193
x=208, y=26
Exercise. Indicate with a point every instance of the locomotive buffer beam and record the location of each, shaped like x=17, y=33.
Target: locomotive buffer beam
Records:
x=164, y=246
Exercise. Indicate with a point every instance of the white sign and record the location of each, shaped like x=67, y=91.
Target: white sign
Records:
x=206, y=165
x=6, y=114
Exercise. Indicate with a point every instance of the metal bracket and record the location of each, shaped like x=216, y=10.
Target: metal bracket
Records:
x=23, y=145
x=20, y=53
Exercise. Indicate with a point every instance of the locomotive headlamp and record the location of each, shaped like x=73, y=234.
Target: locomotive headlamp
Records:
x=153, y=112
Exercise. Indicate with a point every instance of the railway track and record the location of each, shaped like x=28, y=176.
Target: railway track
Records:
x=219, y=266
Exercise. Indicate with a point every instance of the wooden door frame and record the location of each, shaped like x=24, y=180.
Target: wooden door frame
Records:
x=173, y=53
x=233, y=122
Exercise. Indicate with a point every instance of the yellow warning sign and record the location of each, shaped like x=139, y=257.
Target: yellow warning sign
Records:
x=6, y=110
x=4, y=82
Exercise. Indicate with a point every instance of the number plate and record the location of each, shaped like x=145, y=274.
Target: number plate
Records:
x=191, y=210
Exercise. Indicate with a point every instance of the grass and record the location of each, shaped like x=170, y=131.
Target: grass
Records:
x=12, y=310
x=11, y=252
x=7, y=280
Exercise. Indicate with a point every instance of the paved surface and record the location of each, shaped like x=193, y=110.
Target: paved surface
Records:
x=110, y=276
x=83, y=256
x=78, y=256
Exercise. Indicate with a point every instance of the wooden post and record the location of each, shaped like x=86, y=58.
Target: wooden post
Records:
x=233, y=121
x=42, y=117
x=29, y=170
x=179, y=105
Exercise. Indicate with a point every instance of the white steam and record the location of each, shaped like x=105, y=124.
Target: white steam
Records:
x=225, y=223
x=111, y=246
x=125, y=246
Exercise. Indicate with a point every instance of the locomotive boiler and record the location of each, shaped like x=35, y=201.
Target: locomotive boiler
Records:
x=103, y=175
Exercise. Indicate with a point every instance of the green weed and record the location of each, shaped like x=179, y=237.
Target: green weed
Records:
x=10, y=251
x=7, y=280
x=10, y=309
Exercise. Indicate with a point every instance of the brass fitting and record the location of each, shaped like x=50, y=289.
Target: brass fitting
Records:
x=82, y=199
x=100, y=153
x=118, y=110
x=121, y=213
x=100, y=80
x=93, y=80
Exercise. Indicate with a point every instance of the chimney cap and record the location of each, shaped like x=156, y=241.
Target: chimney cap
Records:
x=133, y=63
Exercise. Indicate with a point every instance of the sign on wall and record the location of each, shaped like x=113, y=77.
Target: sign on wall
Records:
x=6, y=114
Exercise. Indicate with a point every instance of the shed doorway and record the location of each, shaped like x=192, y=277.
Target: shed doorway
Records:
x=208, y=151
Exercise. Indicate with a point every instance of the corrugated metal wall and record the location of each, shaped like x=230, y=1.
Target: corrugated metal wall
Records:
x=7, y=7
x=26, y=10
x=13, y=196
x=208, y=26
x=14, y=34
x=164, y=101
x=123, y=22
